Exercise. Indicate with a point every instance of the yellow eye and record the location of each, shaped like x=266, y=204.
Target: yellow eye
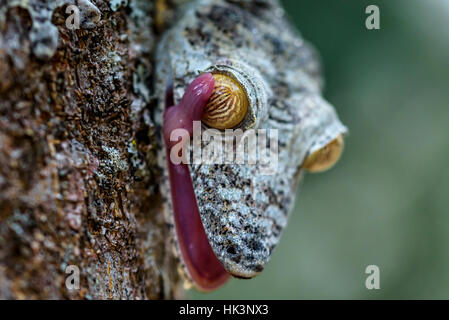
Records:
x=324, y=158
x=228, y=105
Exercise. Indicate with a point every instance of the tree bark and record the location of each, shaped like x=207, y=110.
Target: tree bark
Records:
x=78, y=174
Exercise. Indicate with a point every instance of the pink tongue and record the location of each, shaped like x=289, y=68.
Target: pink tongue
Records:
x=202, y=264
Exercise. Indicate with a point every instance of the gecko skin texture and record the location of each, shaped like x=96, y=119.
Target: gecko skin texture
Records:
x=244, y=210
x=202, y=265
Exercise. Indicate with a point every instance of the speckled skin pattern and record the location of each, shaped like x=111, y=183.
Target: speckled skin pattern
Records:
x=243, y=210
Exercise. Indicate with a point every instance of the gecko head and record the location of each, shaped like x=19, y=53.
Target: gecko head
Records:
x=229, y=216
x=260, y=122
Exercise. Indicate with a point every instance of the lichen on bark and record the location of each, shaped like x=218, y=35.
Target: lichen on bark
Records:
x=78, y=175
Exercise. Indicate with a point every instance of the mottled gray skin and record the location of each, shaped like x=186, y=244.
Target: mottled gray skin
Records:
x=244, y=211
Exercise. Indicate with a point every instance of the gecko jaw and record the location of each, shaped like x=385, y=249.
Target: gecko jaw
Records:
x=203, y=267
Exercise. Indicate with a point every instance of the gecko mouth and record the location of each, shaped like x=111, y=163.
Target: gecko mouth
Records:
x=203, y=267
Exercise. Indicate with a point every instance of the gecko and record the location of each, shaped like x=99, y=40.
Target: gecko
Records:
x=227, y=218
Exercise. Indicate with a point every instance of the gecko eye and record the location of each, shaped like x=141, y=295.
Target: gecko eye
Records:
x=239, y=99
x=324, y=158
x=228, y=104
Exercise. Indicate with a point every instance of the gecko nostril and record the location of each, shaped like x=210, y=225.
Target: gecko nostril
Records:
x=231, y=250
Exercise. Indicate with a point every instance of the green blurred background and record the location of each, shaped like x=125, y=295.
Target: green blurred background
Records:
x=386, y=202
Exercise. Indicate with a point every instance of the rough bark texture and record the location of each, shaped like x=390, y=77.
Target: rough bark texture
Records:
x=78, y=180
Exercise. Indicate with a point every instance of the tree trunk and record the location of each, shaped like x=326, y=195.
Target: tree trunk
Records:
x=78, y=174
